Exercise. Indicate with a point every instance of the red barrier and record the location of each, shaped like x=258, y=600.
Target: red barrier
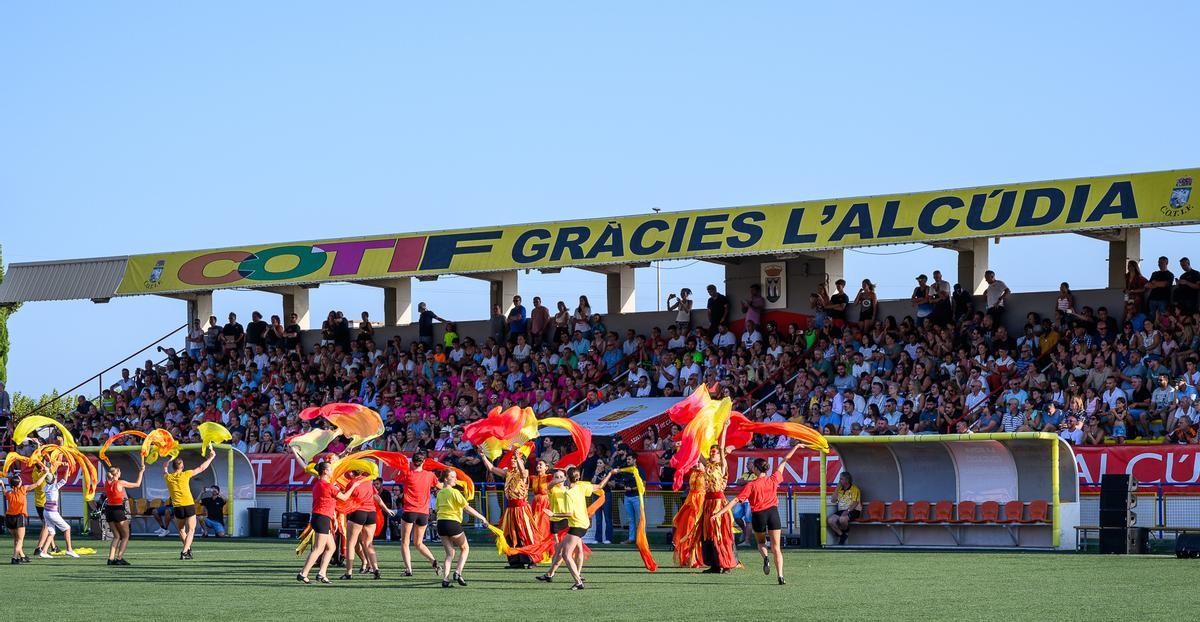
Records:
x=1149, y=464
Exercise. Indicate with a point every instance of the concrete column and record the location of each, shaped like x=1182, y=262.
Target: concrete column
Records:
x=502, y=288
x=621, y=289
x=972, y=263
x=835, y=266
x=200, y=307
x=1120, y=252
x=397, y=300
x=295, y=300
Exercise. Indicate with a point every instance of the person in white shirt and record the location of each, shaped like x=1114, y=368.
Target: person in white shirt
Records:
x=677, y=340
x=690, y=370
x=667, y=374
x=973, y=399
x=995, y=295
x=1183, y=409
x=52, y=513
x=1072, y=431
x=1111, y=393
x=643, y=387
x=724, y=338
x=630, y=345
x=750, y=336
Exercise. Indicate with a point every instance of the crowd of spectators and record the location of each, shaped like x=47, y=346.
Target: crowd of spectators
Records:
x=951, y=364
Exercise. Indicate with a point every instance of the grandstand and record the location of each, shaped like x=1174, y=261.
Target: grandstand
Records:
x=780, y=336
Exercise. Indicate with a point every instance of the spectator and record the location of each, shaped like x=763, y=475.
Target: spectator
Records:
x=848, y=501
x=682, y=306
x=996, y=296
x=836, y=308
x=516, y=320
x=214, y=512
x=718, y=310
x=539, y=324
x=425, y=318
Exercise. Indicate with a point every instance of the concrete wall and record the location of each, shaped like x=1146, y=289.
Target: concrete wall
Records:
x=803, y=277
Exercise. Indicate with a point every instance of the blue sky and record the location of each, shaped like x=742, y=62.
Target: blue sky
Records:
x=139, y=127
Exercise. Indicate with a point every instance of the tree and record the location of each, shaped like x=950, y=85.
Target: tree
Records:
x=5, y=311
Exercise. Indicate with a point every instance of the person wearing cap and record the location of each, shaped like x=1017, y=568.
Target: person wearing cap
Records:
x=922, y=299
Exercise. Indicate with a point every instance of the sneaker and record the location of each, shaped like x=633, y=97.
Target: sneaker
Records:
x=445, y=583
x=44, y=555
x=122, y=562
x=112, y=562
x=577, y=586
x=766, y=565
x=781, y=581
x=161, y=532
x=842, y=539
x=458, y=579
x=545, y=578
x=54, y=548
x=15, y=561
x=24, y=559
x=37, y=551
x=72, y=554
x=408, y=573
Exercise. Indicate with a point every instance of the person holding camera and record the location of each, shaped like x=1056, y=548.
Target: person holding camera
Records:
x=682, y=306
x=214, y=512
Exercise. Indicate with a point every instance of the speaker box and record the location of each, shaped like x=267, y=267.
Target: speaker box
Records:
x=1125, y=541
x=1119, y=518
x=1187, y=545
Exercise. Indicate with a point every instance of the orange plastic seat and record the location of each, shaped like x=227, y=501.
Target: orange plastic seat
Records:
x=989, y=512
x=966, y=512
x=873, y=513
x=920, y=512
x=1039, y=512
x=897, y=512
x=1014, y=512
x=943, y=512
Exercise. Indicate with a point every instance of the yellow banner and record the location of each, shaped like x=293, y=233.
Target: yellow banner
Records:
x=1161, y=198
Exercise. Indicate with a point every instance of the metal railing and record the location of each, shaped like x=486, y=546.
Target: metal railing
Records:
x=99, y=377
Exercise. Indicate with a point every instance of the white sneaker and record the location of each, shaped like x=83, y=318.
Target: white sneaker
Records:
x=45, y=555
x=161, y=532
x=72, y=554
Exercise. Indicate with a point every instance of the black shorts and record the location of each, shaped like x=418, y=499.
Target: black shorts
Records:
x=765, y=520
x=185, y=512
x=16, y=521
x=578, y=532
x=41, y=510
x=853, y=514
x=419, y=519
x=320, y=523
x=558, y=525
x=449, y=528
x=361, y=517
x=115, y=513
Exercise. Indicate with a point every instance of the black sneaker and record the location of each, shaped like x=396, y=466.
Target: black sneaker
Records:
x=122, y=562
x=458, y=579
x=545, y=578
x=323, y=579
x=37, y=551
x=407, y=573
x=24, y=559
x=577, y=586
x=112, y=562
x=375, y=574
x=446, y=583
x=842, y=539
x=346, y=577
x=781, y=581
x=436, y=567
x=766, y=565
x=15, y=561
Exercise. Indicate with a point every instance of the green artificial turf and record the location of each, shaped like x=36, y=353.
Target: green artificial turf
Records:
x=251, y=580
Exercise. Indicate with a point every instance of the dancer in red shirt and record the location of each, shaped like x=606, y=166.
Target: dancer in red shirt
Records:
x=325, y=495
x=763, y=494
x=414, y=517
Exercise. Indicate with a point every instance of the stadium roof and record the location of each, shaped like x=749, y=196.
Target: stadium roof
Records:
x=936, y=217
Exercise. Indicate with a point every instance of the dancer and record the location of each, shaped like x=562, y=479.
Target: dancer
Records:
x=414, y=515
x=763, y=494
x=686, y=533
x=576, y=515
x=52, y=517
x=46, y=538
x=516, y=521
x=180, y=491
x=450, y=507
x=360, y=526
x=115, y=514
x=716, y=536
x=15, y=514
x=325, y=496
x=539, y=484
